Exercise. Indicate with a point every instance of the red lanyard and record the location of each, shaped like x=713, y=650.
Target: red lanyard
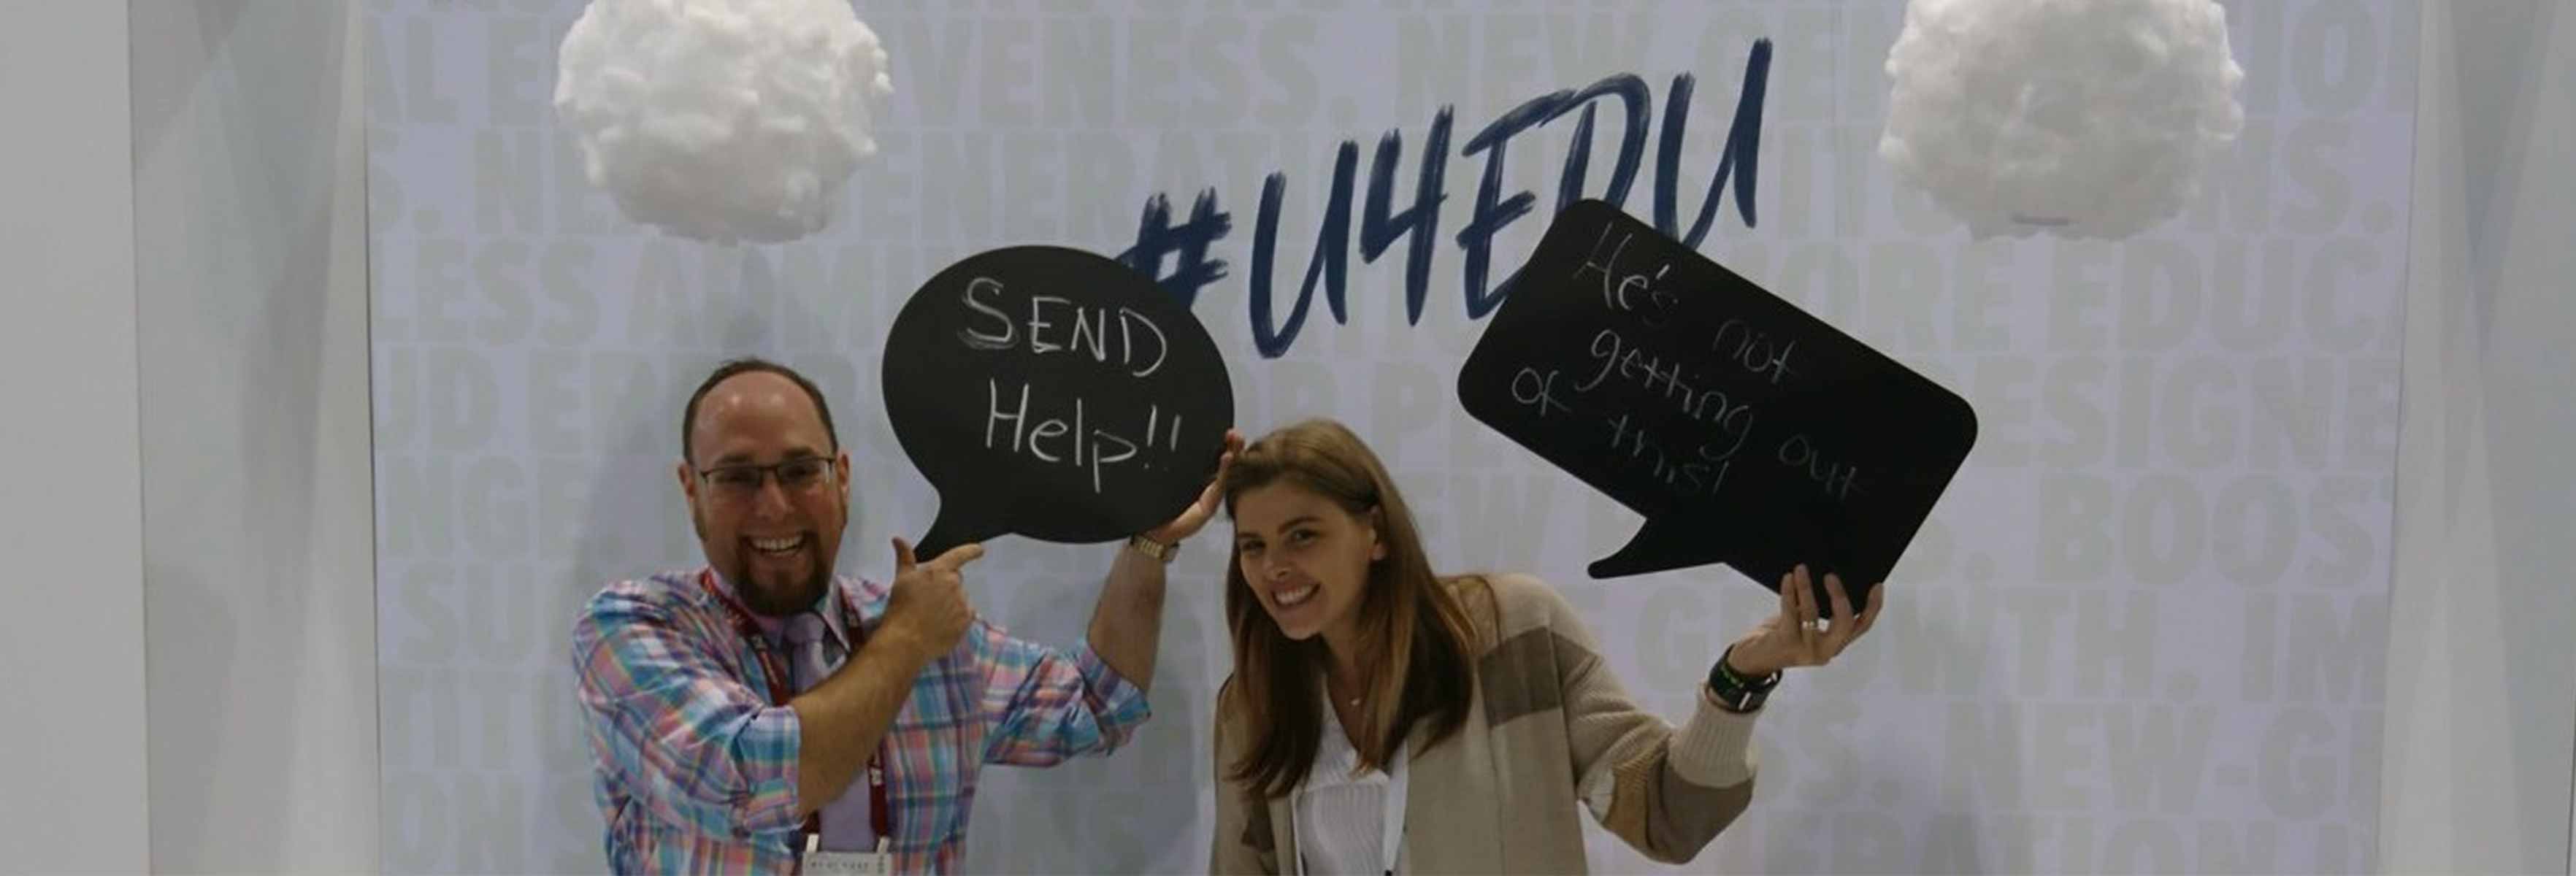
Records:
x=880, y=816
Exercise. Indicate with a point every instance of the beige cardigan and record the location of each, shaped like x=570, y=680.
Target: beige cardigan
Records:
x=1500, y=796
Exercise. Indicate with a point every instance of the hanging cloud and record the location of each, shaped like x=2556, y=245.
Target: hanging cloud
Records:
x=722, y=120
x=2080, y=118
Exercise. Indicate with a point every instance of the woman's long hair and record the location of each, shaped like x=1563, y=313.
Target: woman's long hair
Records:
x=1413, y=628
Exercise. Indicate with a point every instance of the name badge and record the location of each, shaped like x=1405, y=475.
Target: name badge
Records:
x=827, y=863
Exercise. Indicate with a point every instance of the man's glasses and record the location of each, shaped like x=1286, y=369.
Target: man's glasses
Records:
x=743, y=481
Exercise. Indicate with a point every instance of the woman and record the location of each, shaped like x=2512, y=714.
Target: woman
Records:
x=1382, y=718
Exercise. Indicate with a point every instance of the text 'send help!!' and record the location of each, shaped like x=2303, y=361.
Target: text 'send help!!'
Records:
x=1056, y=394
x=1745, y=430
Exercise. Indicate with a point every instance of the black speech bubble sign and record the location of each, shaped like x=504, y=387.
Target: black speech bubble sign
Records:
x=1745, y=430
x=1053, y=393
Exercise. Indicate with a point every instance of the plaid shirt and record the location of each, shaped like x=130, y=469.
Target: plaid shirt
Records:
x=696, y=771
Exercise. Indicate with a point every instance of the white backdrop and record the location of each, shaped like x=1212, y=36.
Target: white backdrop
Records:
x=2478, y=650
x=250, y=237
x=2144, y=631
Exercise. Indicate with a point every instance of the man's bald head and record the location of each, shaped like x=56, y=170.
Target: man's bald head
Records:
x=689, y=417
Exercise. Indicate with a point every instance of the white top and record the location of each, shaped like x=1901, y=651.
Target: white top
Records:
x=1349, y=824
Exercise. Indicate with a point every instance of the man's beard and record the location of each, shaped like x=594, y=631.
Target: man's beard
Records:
x=779, y=602
x=765, y=601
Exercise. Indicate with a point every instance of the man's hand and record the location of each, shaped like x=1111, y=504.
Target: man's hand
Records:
x=1199, y=512
x=928, y=612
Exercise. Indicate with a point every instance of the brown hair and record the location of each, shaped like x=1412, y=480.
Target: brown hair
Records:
x=1412, y=622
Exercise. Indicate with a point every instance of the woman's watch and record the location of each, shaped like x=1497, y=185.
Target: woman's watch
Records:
x=1736, y=693
x=1154, y=549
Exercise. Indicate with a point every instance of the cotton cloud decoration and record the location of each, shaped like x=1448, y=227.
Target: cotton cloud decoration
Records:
x=722, y=120
x=2080, y=118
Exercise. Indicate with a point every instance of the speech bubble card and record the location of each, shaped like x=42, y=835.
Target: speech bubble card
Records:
x=1745, y=430
x=1056, y=394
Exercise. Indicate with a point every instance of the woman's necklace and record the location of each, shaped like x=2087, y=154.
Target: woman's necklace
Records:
x=1352, y=701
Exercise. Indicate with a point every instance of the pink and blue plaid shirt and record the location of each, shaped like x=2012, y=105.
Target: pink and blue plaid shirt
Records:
x=696, y=771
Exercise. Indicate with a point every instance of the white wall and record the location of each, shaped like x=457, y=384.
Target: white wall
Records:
x=250, y=239
x=71, y=651
x=2482, y=669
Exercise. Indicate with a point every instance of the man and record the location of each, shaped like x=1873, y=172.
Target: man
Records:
x=739, y=713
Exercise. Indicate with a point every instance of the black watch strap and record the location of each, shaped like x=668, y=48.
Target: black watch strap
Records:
x=1736, y=693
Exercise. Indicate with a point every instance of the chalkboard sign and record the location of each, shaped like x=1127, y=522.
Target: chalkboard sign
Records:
x=1746, y=431
x=1054, y=393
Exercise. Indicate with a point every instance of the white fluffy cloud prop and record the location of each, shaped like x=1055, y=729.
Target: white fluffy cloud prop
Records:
x=2081, y=118
x=722, y=120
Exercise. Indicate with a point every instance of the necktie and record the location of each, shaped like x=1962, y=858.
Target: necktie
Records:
x=812, y=654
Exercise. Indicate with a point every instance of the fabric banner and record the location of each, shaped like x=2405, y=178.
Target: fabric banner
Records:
x=2143, y=629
